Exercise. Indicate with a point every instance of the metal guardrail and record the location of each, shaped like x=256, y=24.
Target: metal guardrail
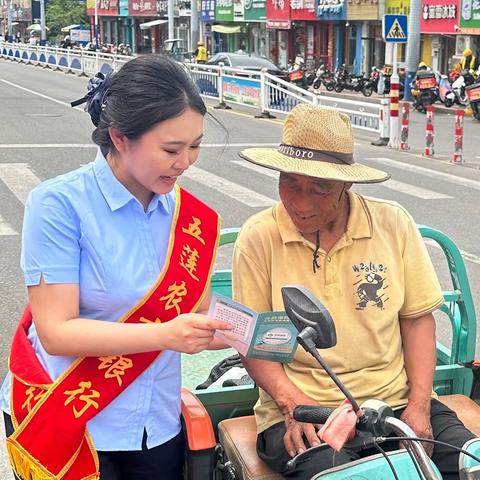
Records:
x=69, y=60
x=272, y=95
x=265, y=93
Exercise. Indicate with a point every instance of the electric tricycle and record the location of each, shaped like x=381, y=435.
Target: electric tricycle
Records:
x=220, y=426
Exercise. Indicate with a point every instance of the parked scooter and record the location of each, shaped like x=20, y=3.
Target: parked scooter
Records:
x=445, y=91
x=297, y=72
x=324, y=77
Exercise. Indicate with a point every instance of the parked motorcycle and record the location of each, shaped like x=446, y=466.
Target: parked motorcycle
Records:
x=349, y=81
x=324, y=77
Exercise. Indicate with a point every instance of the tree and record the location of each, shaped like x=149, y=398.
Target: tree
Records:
x=61, y=13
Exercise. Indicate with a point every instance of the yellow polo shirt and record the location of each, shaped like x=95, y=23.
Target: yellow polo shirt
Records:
x=378, y=273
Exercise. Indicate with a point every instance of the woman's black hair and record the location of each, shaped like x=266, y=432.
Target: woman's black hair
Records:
x=147, y=90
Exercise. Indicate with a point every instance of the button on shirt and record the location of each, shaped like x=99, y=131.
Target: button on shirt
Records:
x=85, y=227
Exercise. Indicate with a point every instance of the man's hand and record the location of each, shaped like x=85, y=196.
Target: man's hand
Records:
x=293, y=439
x=417, y=416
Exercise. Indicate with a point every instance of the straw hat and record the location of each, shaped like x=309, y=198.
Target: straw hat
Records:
x=317, y=142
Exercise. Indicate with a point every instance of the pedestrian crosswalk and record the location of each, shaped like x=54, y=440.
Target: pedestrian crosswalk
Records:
x=400, y=187
x=227, y=187
x=20, y=178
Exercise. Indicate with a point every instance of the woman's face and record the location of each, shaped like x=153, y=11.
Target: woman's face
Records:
x=154, y=162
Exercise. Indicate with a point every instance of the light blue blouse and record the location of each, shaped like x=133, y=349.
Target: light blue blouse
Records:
x=85, y=227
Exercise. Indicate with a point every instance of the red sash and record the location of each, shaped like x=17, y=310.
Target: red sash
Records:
x=50, y=439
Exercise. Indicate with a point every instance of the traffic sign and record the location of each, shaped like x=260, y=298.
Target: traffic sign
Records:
x=395, y=28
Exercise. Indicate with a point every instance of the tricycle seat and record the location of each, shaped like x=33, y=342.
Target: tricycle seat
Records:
x=239, y=437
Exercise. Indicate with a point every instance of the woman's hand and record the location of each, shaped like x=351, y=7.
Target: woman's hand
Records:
x=191, y=332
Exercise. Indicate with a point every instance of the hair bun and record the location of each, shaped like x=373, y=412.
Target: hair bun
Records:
x=95, y=98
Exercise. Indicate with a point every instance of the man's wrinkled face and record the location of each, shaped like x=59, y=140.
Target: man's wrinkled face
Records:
x=312, y=203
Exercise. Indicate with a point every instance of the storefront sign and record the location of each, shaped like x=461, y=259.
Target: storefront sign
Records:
x=397, y=7
x=439, y=17
x=470, y=16
x=331, y=10
x=142, y=8
x=362, y=10
x=224, y=10
x=439, y=12
x=278, y=10
x=238, y=11
x=123, y=8
x=104, y=7
x=302, y=10
x=162, y=8
x=207, y=10
x=256, y=10
x=279, y=24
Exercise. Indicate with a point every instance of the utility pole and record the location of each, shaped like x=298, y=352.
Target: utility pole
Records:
x=9, y=21
x=96, y=24
x=171, y=32
x=194, y=25
x=413, y=45
x=43, y=31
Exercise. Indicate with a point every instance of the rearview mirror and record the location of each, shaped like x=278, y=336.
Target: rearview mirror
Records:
x=305, y=310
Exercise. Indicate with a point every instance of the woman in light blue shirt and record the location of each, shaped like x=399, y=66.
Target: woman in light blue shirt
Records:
x=95, y=241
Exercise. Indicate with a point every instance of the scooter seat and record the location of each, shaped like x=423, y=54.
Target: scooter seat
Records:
x=239, y=437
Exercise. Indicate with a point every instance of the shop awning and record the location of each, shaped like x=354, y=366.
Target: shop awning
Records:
x=144, y=26
x=226, y=29
x=67, y=29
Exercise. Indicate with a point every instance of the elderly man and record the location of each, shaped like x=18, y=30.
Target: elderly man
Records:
x=365, y=260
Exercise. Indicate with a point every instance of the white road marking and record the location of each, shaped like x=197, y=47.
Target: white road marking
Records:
x=414, y=191
x=470, y=257
x=19, y=179
x=464, y=182
x=6, y=228
x=257, y=168
x=38, y=94
x=228, y=188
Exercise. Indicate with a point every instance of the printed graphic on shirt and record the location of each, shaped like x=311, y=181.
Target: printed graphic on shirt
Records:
x=370, y=285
